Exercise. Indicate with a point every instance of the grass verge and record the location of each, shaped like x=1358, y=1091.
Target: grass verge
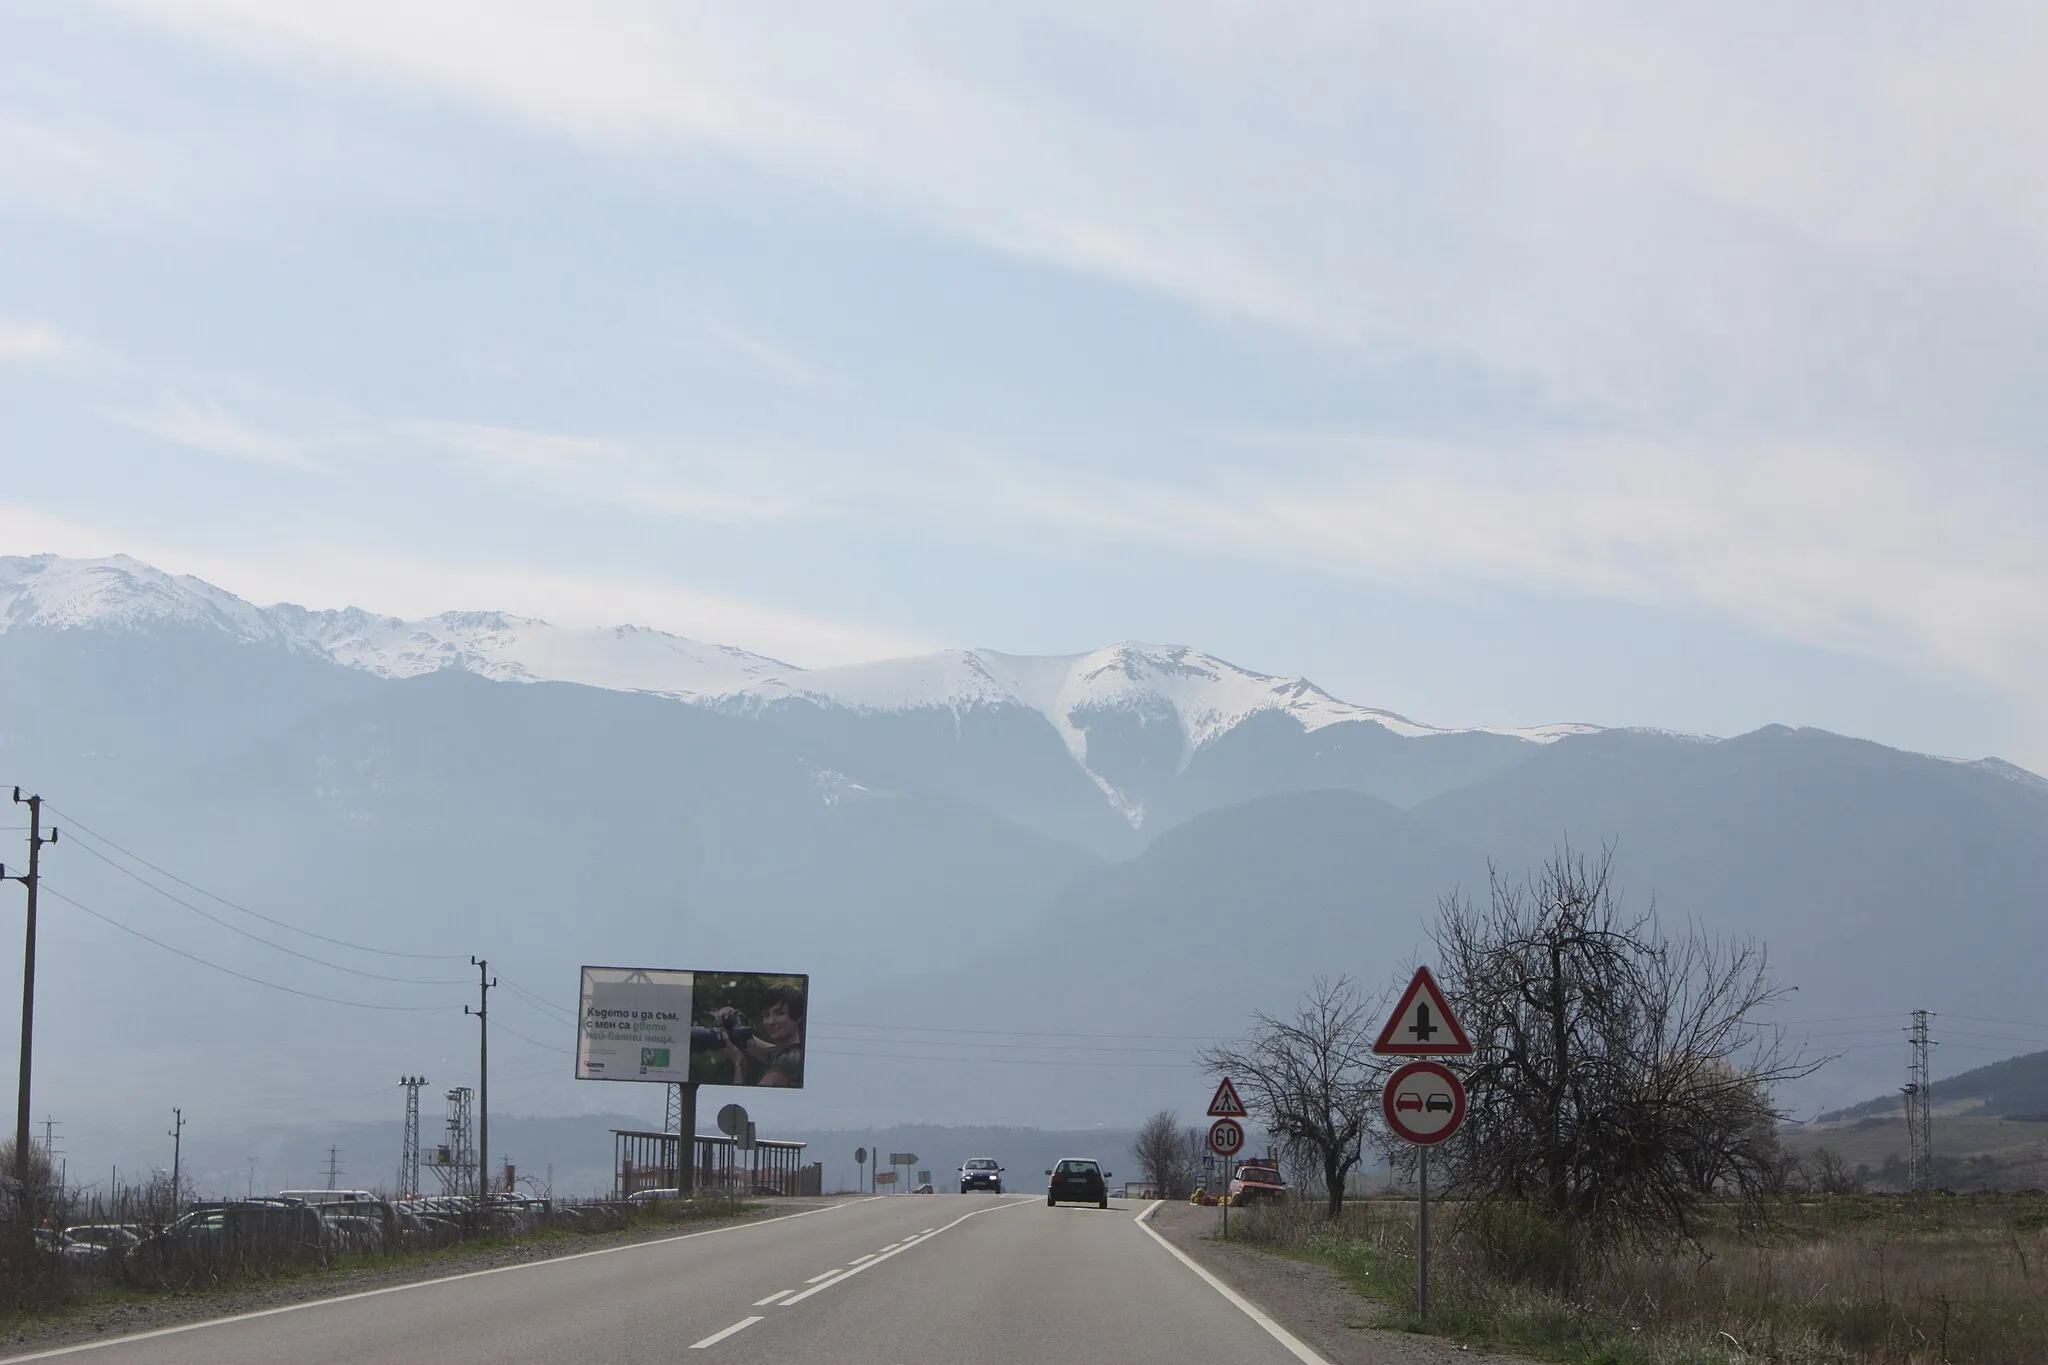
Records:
x=1864, y=1280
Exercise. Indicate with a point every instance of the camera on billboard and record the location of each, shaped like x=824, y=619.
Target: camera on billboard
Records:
x=731, y=1027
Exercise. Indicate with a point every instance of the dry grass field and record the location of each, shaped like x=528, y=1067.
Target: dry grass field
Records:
x=1973, y=1152
x=1855, y=1280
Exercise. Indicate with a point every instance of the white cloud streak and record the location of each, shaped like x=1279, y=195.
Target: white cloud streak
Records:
x=24, y=343
x=206, y=424
x=731, y=486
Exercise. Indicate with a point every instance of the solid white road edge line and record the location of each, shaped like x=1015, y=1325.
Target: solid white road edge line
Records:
x=742, y=1325
x=780, y=1293
x=870, y=1264
x=84, y=1346
x=1296, y=1347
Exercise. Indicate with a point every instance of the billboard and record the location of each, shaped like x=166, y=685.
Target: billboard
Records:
x=703, y=1028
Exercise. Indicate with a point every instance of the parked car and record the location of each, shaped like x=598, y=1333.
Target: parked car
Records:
x=1256, y=1180
x=1077, y=1180
x=981, y=1173
x=645, y=1197
x=265, y=1226
x=96, y=1241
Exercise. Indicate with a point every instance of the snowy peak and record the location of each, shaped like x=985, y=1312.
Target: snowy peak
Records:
x=122, y=593
x=1113, y=708
x=1208, y=696
x=521, y=649
x=70, y=594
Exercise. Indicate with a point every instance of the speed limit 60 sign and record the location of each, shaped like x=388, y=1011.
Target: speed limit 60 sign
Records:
x=1226, y=1136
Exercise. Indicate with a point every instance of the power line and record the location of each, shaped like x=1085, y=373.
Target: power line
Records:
x=258, y=938
x=530, y=998
x=229, y=971
x=565, y=1051
x=1002, y=1061
x=1025, y=1033
x=257, y=914
x=917, y=1037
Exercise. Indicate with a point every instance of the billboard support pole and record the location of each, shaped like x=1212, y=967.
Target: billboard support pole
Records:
x=686, y=1138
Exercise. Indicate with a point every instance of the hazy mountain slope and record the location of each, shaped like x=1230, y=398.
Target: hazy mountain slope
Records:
x=86, y=715
x=540, y=827
x=1881, y=881
x=1232, y=911
x=2014, y=1088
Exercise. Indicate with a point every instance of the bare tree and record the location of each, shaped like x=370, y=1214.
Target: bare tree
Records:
x=1165, y=1153
x=1313, y=1079
x=1620, y=1077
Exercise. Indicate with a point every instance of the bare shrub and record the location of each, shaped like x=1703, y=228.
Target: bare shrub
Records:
x=1313, y=1079
x=1619, y=1079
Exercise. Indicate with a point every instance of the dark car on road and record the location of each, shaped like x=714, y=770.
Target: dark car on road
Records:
x=1077, y=1180
x=981, y=1173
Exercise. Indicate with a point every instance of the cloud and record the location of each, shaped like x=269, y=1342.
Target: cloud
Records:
x=406, y=583
x=1804, y=542
x=21, y=343
x=205, y=424
x=1637, y=209
x=726, y=486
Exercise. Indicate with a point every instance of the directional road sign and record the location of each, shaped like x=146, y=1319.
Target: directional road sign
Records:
x=1225, y=1104
x=1226, y=1136
x=1423, y=1025
x=1424, y=1103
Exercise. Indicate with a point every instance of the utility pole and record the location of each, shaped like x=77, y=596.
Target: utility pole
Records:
x=333, y=1166
x=29, y=879
x=484, y=982
x=409, y=1153
x=1919, y=1091
x=177, y=1136
x=251, y=1191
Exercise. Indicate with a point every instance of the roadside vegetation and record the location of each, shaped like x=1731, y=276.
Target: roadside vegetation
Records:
x=60, y=1251
x=1816, y=1280
x=1618, y=1193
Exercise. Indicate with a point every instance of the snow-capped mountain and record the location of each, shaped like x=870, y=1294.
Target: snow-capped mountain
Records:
x=1092, y=747
x=124, y=593
x=1191, y=698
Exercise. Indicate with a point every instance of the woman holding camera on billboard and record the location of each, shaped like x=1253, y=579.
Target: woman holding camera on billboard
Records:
x=772, y=1054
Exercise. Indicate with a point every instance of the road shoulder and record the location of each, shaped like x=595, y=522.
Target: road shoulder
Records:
x=114, y=1314
x=1311, y=1301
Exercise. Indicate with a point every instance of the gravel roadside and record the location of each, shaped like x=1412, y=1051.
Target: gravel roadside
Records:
x=127, y=1314
x=1309, y=1300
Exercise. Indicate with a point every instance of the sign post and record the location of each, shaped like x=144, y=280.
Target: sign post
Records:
x=1226, y=1139
x=860, y=1164
x=1424, y=1101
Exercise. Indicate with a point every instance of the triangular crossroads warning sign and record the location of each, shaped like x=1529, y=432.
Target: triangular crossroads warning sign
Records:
x=1225, y=1104
x=1423, y=1025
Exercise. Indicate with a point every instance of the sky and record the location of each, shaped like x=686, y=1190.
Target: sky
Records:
x=1674, y=365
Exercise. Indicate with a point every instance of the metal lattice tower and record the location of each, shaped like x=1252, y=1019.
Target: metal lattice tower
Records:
x=409, y=1153
x=1919, y=1091
x=458, y=1170
x=672, y=1121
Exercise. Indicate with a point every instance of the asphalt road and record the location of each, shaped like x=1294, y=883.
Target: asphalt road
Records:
x=902, y=1279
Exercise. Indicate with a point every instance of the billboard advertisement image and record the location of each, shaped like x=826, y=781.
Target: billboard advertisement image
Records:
x=747, y=1028
x=704, y=1028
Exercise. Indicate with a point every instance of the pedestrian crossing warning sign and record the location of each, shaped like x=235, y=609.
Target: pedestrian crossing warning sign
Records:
x=1423, y=1025
x=1225, y=1104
